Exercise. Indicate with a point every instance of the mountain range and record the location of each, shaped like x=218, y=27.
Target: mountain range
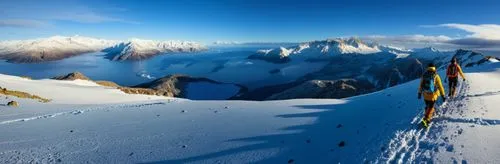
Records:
x=354, y=67
x=60, y=47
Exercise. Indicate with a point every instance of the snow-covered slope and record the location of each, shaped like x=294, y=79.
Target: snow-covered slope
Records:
x=138, y=49
x=60, y=47
x=52, y=48
x=71, y=92
x=376, y=128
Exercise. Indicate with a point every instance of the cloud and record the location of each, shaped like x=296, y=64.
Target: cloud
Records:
x=409, y=38
x=58, y=11
x=483, y=31
x=479, y=36
x=89, y=17
x=23, y=23
x=412, y=41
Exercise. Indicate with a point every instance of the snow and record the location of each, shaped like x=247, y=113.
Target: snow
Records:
x=141, y=45
x=71, y=92
x=376, y=128
x=493, y=60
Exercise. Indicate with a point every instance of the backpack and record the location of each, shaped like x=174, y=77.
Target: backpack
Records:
x=453, y=70
x=428, y=84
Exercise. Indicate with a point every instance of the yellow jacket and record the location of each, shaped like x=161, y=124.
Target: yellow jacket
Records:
x=437, y=82
x=459, y=71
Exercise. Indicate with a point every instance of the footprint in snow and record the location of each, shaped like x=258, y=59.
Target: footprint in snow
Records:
x=450, y=148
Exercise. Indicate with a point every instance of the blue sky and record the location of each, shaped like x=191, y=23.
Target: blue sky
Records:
x=456, y=22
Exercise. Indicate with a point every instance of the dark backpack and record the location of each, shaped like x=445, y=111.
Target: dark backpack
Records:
x=428, y=84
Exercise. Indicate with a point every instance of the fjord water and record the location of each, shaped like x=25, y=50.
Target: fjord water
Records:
x=224, y=64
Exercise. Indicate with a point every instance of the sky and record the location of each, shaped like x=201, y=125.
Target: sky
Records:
x=455, y=23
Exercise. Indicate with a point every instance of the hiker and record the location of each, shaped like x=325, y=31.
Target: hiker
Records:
x=431, y=87
x=452, y=74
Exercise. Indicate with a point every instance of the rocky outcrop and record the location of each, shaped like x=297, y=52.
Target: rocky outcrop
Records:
x=72, y=76
x=19, y=94
x=175, y=85
x=13, y=104
x=325, y=89
x=169, y=86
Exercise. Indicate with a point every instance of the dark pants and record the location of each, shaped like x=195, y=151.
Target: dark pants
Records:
x=429, y=109
x=453, y=81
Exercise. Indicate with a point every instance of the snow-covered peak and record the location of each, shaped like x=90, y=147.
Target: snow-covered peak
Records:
x=338, y=46
x=322, y=48
x=74, y=43
x=425, y=49
x=428, y=53
x=138, y=49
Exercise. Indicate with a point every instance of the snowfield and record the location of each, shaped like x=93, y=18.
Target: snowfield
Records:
x=86, y=123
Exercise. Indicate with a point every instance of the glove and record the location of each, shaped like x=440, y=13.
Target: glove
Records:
x=419, y=96
x=444, y=98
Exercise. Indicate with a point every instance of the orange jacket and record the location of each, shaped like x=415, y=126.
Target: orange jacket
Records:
x=437, y=82
x=459, y=69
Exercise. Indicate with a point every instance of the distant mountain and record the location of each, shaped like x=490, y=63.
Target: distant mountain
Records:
x=428, y=53
x=138, y=49
x=52, y=48
x=60, y=47
x=317, y=49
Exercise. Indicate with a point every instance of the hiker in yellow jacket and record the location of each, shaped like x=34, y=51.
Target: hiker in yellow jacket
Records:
x=431, y=87
x=452, y=73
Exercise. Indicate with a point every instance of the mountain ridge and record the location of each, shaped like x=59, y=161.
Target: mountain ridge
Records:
x=60, y=47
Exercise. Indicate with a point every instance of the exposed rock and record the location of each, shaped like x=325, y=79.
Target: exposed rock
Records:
x=108, y=84
x=72, y=76
x=20, y=94
x=169, y=86
x=13, y=104
x=175, y=85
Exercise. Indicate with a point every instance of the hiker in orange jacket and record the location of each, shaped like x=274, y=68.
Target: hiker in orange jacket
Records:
x=431, y=87
x=452, y=73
